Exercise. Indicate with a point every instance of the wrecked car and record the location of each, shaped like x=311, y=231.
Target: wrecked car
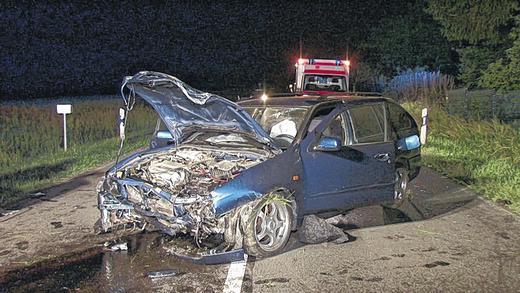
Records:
x=250, y=172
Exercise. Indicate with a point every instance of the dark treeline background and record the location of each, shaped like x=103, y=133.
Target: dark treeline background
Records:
x=51, y=49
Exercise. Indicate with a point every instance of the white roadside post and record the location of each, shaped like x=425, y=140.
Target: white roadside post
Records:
x=64, y=109
x=424, y=127
x=122, y=114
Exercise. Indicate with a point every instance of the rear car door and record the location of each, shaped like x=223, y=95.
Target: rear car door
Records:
x=359, y=173
x=370, y=135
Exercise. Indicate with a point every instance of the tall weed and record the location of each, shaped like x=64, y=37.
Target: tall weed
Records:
x=481, y=154
x=419, y=85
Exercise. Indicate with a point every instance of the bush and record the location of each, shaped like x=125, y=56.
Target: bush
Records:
x=419, y=85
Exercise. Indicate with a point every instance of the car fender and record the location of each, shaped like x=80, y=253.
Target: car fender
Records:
x=256, y=182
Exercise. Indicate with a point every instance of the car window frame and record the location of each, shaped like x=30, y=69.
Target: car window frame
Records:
x=337, y=109
x=345, y=126
x=397, y=133
x=385, y=125
x=303, y=132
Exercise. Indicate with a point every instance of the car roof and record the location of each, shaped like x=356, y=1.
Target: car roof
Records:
x=298, y=100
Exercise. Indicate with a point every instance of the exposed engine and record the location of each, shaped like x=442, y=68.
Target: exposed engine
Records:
x=171, y=189
x=191, y=173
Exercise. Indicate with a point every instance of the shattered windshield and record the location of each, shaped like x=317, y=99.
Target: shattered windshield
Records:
x=279, y=121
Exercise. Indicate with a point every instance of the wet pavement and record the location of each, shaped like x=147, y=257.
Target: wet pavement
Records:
x=147, y=265
x=446, y=239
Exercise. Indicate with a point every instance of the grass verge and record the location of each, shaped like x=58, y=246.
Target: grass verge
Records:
x=31, y=154
x=480, y=154
x=49, y=170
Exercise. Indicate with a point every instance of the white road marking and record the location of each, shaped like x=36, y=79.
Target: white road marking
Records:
x=235, y=276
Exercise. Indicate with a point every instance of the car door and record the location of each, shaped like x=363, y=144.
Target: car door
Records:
x=357, y=174
x=370, y=135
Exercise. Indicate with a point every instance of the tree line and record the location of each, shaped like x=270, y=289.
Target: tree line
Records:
x=57, y=48
x=486, y=35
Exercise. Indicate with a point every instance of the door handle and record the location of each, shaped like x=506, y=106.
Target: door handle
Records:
x=383, y=157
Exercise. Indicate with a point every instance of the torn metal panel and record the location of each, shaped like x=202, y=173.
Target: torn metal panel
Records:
x=232, y=195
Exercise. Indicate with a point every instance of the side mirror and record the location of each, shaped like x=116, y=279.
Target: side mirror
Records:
x=408, y=143
x=328, y=144
x=164, y=134
x=162, y=138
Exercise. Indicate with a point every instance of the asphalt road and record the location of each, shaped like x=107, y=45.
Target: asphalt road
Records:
x=447, y=239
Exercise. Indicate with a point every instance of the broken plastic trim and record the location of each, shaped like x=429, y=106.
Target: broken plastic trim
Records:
x=215, y=258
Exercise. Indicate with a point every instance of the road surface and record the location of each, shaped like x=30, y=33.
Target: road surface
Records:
x=447, y=239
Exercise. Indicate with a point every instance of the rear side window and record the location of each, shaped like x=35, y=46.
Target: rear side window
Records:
x=400, y=121
x=367, y=124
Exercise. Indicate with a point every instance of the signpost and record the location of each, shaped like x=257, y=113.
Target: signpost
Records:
x=64, y=109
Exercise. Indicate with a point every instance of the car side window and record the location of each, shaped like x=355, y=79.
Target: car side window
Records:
x=318, y=117
x=336, y=128
x=399, y=120
x=367, y=124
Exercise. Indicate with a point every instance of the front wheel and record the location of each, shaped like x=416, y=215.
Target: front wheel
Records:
x=268, y=229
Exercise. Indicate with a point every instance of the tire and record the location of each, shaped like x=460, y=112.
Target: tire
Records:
x=401, y=190
x=268, y=228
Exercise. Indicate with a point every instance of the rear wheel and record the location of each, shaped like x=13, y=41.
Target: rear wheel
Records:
x=268, y=229
x=401, y=192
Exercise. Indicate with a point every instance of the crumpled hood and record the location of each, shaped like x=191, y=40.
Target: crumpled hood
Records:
x=185, y=109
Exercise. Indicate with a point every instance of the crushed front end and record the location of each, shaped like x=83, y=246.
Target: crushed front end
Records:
x=170, y=190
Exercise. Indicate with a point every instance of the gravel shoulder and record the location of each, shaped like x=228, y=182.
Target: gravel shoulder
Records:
x=61, y=222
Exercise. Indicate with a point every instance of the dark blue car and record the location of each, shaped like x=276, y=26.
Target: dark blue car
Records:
x=248, y=173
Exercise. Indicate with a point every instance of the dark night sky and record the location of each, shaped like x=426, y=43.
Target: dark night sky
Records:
x=69, y=49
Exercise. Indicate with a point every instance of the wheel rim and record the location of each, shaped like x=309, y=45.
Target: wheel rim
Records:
x=272, y=226
x=401, y=184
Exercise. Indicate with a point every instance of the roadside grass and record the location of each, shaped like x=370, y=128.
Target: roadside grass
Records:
x=484, y=155
x=31, y=154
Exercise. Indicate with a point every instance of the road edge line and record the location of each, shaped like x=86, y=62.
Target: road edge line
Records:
x=235, y=276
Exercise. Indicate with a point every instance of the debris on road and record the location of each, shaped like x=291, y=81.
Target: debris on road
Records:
x=8, y=214
x=119, y=247
x=316, y=230
x=165, y=274
x=436, y=263
x=57, y=224
x=37, y=194
x=215, y=258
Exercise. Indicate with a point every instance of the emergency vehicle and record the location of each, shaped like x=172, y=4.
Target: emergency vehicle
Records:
x=321, y=76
